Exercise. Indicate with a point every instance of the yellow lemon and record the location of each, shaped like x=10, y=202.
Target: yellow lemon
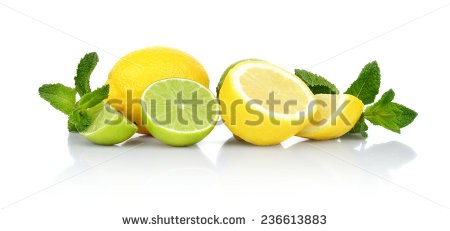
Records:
x=336, y=115
x=263, y=104
x=137, y=70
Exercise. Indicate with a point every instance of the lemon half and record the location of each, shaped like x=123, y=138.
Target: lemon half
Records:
x=262, y=103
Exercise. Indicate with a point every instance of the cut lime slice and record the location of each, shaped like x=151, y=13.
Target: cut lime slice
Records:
x=108, y=127
x=179, y=112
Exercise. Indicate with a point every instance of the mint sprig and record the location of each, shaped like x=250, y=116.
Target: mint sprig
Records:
x=386, y=113
x=63, y=98
x=360, y=127
x=390, y=115
x=85, y=68
x=317, y=83
x=367, y=85
x=93, y=98
x=79, y=119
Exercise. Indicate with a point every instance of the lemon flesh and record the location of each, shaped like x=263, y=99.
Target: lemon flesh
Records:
x=246, y=90
x=109, y=127
x=336, y=115
x=179, y=112
x=133, y=73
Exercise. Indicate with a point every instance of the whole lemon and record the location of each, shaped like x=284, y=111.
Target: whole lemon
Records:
x=135, y=71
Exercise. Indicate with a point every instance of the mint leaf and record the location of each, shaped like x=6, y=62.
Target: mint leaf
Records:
x=367, y=85
x=71, y=127
x=360, y=127
x=93, y=98
x=407, y=115
x=79, y=120
x=390, y=115
x=317, y=83
x=84, y=71
x=59, y=96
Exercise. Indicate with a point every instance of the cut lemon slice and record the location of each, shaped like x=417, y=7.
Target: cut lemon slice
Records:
x=336, y=115
x=263, y=104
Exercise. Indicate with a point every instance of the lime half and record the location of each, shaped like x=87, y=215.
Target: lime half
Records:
x=109, y=126
x=179, y=112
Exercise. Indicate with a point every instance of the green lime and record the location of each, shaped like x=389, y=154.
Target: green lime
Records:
x=108, y=126
x=179, y=112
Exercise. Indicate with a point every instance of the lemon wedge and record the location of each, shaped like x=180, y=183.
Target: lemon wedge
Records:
x=336, y=115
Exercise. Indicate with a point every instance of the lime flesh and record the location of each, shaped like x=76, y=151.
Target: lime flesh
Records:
x=179, y=112
x=108, y=127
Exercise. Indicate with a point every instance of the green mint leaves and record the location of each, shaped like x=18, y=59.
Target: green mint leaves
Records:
x=59, y=96
x=360, y=127
x=63, y=98
x=93, y=98
x=79, y=120
x=367, y=85
x=390, y=115
x=317, y=83
x=84, y=71
x=386, y=113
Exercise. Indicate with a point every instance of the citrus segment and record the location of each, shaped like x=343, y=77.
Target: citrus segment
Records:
x=336, y=115
x=108, y=127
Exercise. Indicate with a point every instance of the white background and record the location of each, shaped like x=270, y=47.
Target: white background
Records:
x=55, y=181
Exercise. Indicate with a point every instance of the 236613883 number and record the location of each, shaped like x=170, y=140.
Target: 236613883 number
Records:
x=293, y=219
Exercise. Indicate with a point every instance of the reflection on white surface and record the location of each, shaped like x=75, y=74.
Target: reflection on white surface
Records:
x=147, y=166
x=378, y=158
x=143, y=177
x=308, y=165
x=142, y=164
